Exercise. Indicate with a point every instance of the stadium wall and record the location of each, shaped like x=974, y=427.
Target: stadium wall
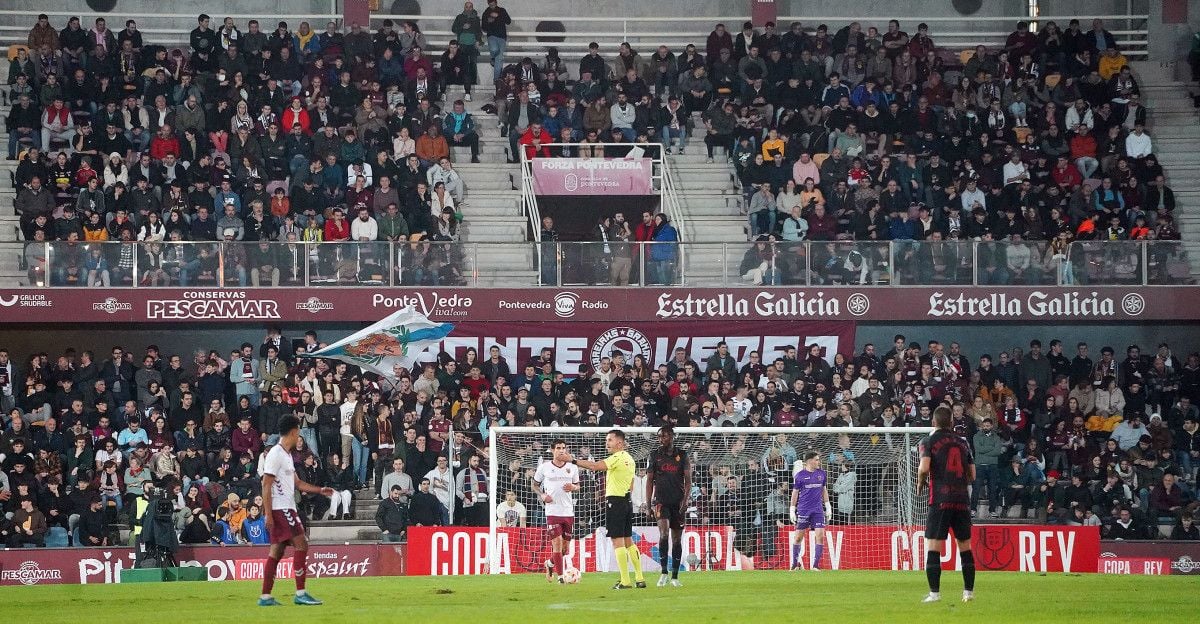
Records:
x=71, y=566
x=452, y=551
x=841, y=319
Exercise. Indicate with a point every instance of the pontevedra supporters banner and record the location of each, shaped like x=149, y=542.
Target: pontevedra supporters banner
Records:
x=593, y=176
x=449, y=551
x=586, y=342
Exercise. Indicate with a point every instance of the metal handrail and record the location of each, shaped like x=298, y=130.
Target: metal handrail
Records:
x=529, y=198
x=1137, y=37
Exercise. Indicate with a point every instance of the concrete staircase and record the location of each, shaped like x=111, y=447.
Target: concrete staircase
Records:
x=1174, y=126
x=361, y=527
x=710, y=210
x=10, y=234
x=493, y=221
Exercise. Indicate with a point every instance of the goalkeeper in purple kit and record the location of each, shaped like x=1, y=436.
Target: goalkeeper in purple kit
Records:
x=810, y=505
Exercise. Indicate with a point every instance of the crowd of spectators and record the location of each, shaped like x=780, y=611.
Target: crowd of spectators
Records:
x=879, y=136
x=253, y=136
x=853, y=134
x=86, y=442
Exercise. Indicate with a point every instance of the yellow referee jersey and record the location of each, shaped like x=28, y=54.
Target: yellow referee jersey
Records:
x=620, y=474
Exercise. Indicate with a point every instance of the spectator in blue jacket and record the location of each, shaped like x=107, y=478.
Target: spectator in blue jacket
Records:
x=664, y=253
x=254, y=527
x=222, y=533
x=459, y=129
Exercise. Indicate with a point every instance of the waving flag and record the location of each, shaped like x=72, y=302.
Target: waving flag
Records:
x=396, y=340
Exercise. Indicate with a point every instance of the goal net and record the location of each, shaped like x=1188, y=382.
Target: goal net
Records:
x=738, y=506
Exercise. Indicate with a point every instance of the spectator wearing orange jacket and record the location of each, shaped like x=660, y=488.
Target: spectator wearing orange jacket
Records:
x=432, y=146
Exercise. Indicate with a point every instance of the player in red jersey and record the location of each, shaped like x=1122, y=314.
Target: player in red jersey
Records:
x=948, y=469
x=283, y=519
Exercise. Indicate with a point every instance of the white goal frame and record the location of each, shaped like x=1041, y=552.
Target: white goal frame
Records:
x=912, y=436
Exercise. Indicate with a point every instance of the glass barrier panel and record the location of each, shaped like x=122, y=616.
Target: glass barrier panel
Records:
x=933, y=262
x=857, y=263
x=502, y=265
x=705, y=264
x=1168, y=264
x=597, y=263
x=428, y=263
x=1103, y=263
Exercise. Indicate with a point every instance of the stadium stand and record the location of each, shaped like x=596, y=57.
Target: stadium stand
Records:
x=1024, y=161
x=479, y=221
x=1052, y=434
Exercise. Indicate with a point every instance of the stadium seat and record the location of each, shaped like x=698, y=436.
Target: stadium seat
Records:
x=14, y=48
x=1092, y=184
x=965, y=56
x=56, y=537
x=1052, y=80
x=1022, y=132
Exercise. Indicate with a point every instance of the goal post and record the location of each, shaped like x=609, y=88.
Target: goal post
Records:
x=737, y=510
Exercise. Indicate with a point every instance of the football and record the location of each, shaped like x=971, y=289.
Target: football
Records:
x=571, y=575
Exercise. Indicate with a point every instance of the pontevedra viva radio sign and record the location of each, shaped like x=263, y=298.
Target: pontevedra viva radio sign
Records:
x=593, y=176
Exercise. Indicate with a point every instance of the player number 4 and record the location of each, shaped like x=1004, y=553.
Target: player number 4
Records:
x=954, y=461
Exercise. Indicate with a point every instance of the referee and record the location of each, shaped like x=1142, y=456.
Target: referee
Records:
x=618, y=519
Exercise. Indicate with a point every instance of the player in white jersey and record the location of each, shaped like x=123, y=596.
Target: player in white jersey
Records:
x=554, y=482
x=283, y=520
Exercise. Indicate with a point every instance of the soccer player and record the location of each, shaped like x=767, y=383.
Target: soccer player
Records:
x=618, y=518
x=810, y=506
x=554, y=482
x=668, y=483
x=283, y=520
x=947, y=469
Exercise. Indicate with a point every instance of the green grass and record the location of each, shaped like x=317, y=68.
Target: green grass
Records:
x=764, y=596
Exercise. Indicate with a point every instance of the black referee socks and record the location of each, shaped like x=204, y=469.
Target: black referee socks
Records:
x=933, y=570
x=968, y=566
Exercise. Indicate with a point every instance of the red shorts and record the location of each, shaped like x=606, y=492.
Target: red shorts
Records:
x=286, y=525
x=560, y=526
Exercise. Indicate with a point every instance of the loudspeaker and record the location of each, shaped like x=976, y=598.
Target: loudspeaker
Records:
x=552, y=27
x=406, y=7
x=967, y=7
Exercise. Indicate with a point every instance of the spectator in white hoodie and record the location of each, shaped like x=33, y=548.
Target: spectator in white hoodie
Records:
x=364, y=228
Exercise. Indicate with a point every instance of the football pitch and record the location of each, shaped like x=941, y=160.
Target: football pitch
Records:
x=763, y=596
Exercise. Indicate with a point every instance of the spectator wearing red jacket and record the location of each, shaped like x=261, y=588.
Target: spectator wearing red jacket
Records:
x=245, y=439
x=164, y=143
x=1083, y=151
x=821, y=225
x=296, y=114
x=1065, y=174
x=536, y=141
x=476, y=382
x=337, y=228
x=416, y=60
